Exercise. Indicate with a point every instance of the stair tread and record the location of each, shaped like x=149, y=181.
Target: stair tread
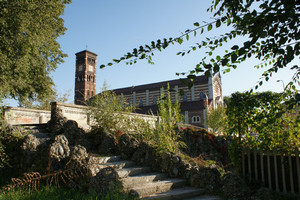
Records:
x=157, y=183
x=179, y=192
x=205, y=197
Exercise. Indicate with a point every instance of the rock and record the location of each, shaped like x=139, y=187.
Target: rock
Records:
x=107, y=144
x=127, y=146
x=30, y=143
x=74, y=134
x=205, y=177
x=56, y=124
x=59, y=150
x=79, y=157
x=234, y=187
x=104, y=180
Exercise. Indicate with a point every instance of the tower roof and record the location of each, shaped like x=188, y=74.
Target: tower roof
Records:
x=86, y=51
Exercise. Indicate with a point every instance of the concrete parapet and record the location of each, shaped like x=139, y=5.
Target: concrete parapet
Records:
x=19, y=116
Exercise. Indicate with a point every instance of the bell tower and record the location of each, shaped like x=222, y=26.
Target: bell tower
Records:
x=85, y=76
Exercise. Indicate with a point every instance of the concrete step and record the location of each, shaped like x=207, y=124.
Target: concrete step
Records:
x=177, y=193
x=136, y=181
x=157, y=187
x=133, y=171
x=98, y=159
x=95, y=168
x=205, y=197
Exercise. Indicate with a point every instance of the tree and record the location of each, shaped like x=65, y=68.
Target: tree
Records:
x=28, y=47
x=268, y=29
x=44, y=104
x=216, y=119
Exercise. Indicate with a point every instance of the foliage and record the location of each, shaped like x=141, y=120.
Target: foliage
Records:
x=53, y=193
x=28, y=47
x=216, y=119
x=44, y=104
x=108, y=112
x=3, y=156
x=262, y=121
x=268, y=30
x=168, y=139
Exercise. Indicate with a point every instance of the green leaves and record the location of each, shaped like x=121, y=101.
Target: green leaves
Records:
x=209, y=27
x=30, y=51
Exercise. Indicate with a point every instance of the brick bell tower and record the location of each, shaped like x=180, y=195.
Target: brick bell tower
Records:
x=85, y=76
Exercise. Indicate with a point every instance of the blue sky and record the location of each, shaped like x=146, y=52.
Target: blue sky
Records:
x=112, y=28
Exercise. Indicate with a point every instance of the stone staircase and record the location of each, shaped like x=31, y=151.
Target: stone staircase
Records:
x=147, y=184
x=136, y=179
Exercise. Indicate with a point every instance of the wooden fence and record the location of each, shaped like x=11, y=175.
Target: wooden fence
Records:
x=276, y=171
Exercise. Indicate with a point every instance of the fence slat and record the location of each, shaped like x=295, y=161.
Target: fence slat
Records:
x=291, y=175
x=269, y=170
x=255, y=165
x=243, y=163
x=262, y=168
x=283, y=173
x=249, y=165
x=276, y=170
x=298, y=168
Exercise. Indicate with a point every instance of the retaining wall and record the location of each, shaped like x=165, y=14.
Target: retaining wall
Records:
x=21, y=116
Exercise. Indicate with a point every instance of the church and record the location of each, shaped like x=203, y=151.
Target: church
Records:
x=205, y=91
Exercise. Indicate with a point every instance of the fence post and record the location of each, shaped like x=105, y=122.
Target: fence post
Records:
x=283, y=173
x=255, y=164
x=262, y=167
x=276, y=170
x=243, y=162
x=269, y=170
x=249, y=164
x=291, y=175
x=298, y=167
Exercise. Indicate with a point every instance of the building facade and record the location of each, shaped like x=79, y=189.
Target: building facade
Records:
x=194, y=101
x=85, y=76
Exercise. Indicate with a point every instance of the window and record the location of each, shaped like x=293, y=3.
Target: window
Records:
x=154, y=101
x=196, y=119
x=184, y=98
x=141, y=102
x=202, y=95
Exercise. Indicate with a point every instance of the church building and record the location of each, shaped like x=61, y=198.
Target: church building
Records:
x=205, y=91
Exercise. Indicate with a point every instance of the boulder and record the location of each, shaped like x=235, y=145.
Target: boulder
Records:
x=127, y=146
x=107, y=144
x=59, y=151
x=205, y=177
x=234, y=187
x=104, y=180
x=30, y=143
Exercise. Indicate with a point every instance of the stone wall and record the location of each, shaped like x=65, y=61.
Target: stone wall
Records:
x=18, y=116
x=79, y=114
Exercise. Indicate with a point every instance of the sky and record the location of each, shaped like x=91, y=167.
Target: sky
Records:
x=112, y=28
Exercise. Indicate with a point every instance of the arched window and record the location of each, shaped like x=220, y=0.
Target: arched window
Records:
x=196, y=119
x=92, y=93
x=141, y=102
x=154, y=101
x=88, y=93
x=184, y=98
x=202, y=95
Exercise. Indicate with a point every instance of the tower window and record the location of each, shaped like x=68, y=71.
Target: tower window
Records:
x=196, y=119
